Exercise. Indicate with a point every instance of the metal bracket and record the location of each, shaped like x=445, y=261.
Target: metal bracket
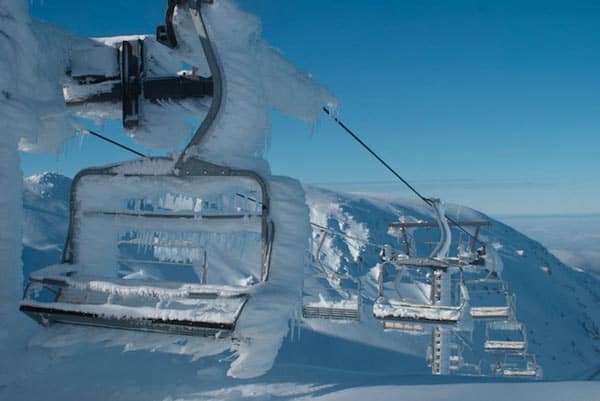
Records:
x=130, y=84
x=132, y=66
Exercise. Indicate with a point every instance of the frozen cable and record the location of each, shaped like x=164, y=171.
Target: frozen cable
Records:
x=114, y=142
x=386, y=165
x=341, y=234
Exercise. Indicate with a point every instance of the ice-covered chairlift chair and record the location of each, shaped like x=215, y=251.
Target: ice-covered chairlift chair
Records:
x=388, y=308
x=505, y=336
x=518, y=365
x=453, y=350
x=441, y=304
x=322, y=299
x=489, y=299
x=474, y=255
x=150, y=247
x=325, y=302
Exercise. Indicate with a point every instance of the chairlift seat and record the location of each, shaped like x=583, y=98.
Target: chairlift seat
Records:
x=398, y=310
x=519, y=365
x=402, y=326
x=409, y=295
x=184, y=309
x=139, y=247
x=490, y=312
x=515, y=372
x=509, y=345
x=324, y=300
x=331, y=311
x=505, y=336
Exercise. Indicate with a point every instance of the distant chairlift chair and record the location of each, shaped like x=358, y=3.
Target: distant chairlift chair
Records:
x=505, y=336
x=421, y=289
x=518, y=365
x=413, y=294
x=329, y=295
x=489, y=299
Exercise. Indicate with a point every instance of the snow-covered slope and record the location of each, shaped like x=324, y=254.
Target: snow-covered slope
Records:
x=556, y=302
x=46, y=203
x=45, y=219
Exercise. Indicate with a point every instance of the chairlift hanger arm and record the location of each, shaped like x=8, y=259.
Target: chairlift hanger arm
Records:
x=182, y=164
x=165, y=34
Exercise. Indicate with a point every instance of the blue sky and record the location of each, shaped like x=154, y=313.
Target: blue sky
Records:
x=495, y=105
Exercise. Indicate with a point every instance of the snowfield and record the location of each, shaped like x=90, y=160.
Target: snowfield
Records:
x=316, y=359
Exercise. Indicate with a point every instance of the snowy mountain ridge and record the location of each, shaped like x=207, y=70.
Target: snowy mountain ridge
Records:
x=555, y=302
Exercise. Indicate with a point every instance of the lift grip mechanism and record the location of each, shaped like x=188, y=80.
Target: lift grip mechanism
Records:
x=132, y=83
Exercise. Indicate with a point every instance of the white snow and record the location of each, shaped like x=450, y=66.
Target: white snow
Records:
x=268, y=312
x=490, y=311
x=129, y=287
x=468, y=392
x=505, y=345
x=323, y=302
x=30, y=116
x=98, y=60
x=223, y=310
x=416, y=312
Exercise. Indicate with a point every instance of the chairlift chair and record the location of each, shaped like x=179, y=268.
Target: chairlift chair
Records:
x=489, y=299
x=329, y=295
x=419, y=306
x=156, y=244
x=518, y=365
x=462, y=361
x=152, y=252
x=416, y=328
x=505, y=336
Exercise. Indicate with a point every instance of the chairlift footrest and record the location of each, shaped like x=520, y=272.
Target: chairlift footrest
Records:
x=314, y=312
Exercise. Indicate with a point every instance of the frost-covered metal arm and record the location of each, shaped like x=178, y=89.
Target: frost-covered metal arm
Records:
x=195, y=7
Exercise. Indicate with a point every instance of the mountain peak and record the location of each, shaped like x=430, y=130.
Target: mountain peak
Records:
x=48, y=185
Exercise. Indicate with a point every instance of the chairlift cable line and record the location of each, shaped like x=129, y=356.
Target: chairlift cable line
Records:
x=394, y=172
x=97, y=135
x=372, y=152
x=341, y=234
